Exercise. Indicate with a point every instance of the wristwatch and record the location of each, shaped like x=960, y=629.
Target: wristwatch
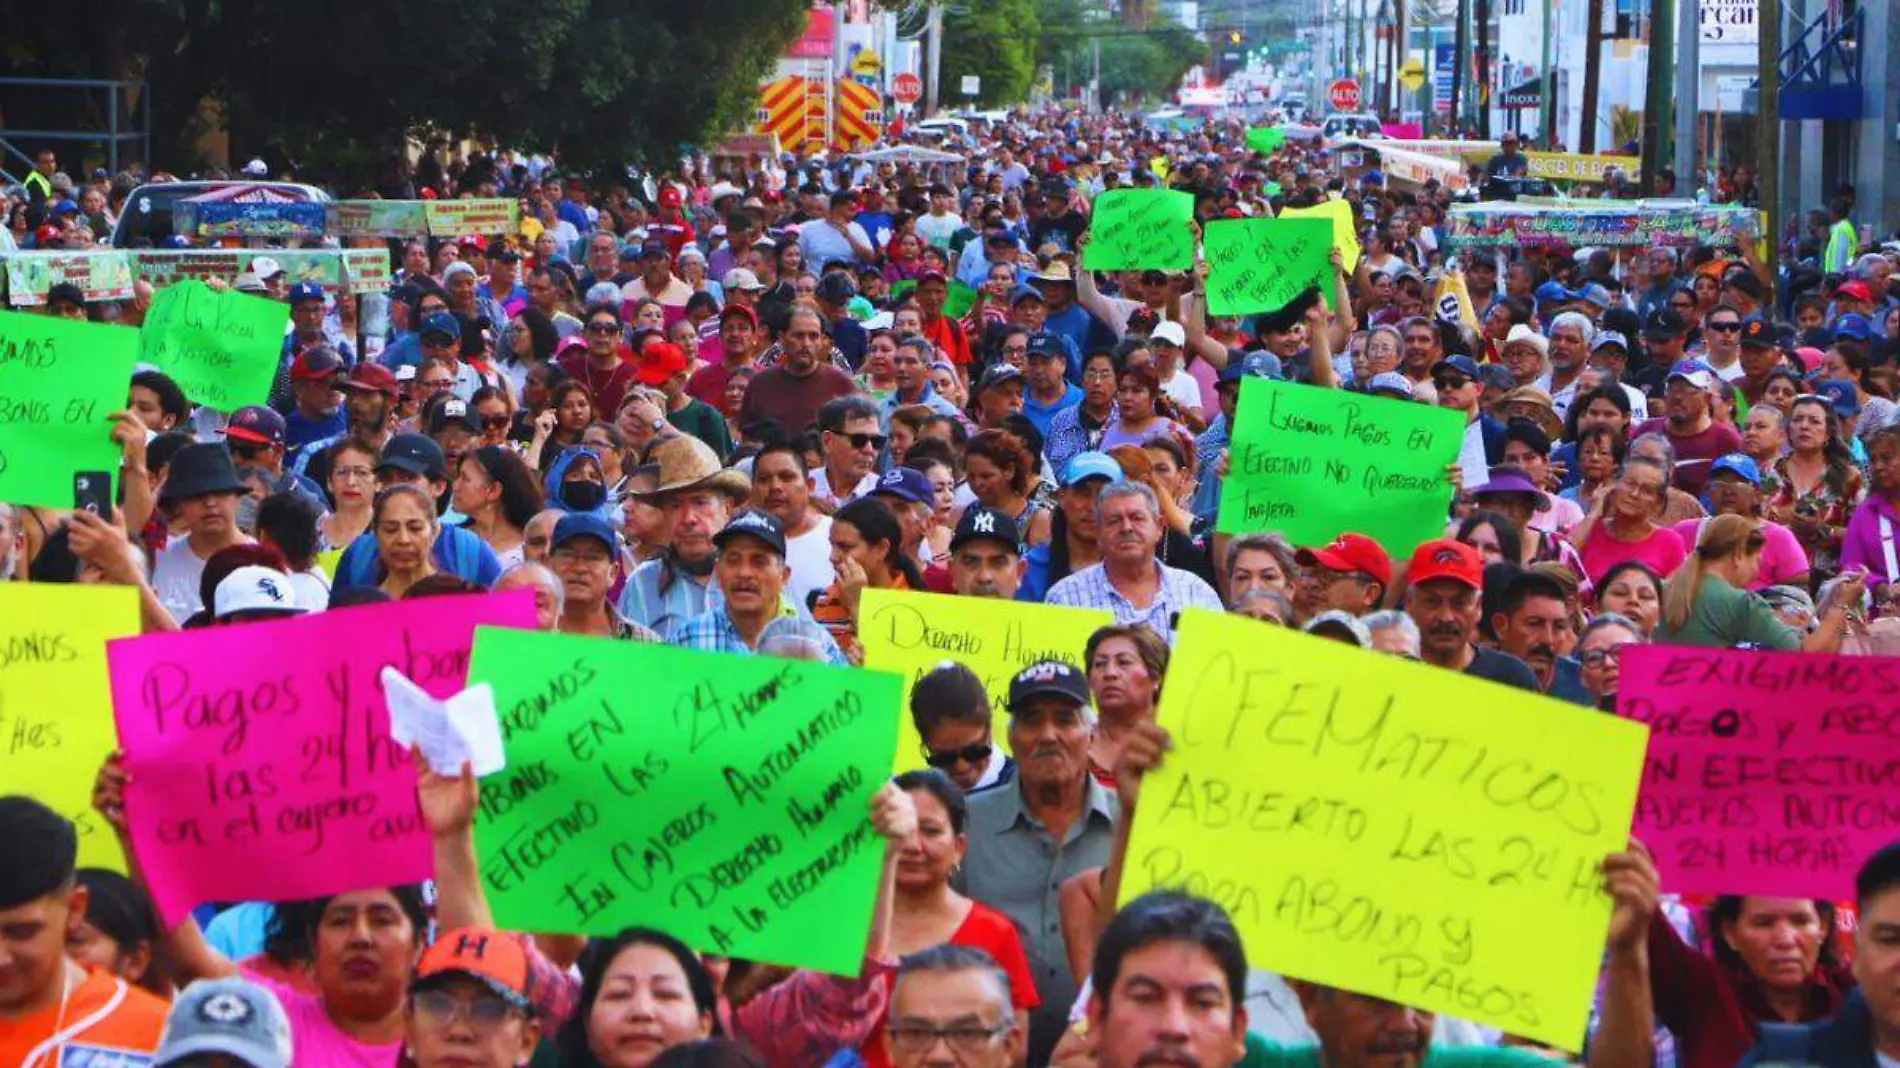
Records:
x=657, y=425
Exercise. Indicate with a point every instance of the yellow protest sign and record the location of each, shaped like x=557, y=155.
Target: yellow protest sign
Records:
x=1339, y=212
x=911, y=633
x=56, y=699
x=1575, y=167
x=1390, y=828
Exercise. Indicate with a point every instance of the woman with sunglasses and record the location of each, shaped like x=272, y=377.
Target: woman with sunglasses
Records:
x=494, y=412
x=495, y=490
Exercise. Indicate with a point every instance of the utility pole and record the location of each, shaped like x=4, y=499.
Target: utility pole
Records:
x=1095, y=79
x=935, y=62
x=1661, y=89
x=1688, y=93
x=1481, y=71
x=1547, y=113
x=1593, y=71
x=1461, y=59
x=1768, y=134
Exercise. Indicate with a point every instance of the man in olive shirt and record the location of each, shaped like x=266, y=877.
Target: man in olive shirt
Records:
x=1028, y=836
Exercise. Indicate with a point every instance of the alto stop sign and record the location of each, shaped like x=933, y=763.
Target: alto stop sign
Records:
x=1344, y=95
x=907, y=88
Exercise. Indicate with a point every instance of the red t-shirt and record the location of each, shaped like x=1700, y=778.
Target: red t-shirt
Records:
x=608, y=387
x=948, y=336
x=993, y=933
x=1695, y=452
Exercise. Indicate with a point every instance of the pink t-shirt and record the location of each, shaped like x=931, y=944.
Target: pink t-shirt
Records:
x=316, y=1042
x=1782, y=556
x=1661, y=552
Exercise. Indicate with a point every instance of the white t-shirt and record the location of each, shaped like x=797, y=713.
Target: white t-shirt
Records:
x=311, y=589
x=176, y=573
x=809, y=557
x=1183, y=390
x=938, y=230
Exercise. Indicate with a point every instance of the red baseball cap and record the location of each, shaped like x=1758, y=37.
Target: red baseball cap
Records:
x=1447, y=559
x=496, y=959
x=931, y=274
x=739, y=310
x=659, y=361
x=1854, y=289
x=669, y=196
x=1350, y=553
x=371, y=377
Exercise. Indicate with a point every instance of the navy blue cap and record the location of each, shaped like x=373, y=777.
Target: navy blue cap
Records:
x=582, y=525
x=756, y=524
x=906, y=484
x=982, y=523
x=1854, y=326
x=1460, y=363
x=303, y=291
x=256, y=425
x=442, y=323
x=1045, y=343
x=836, y=288
x=416, y=454
x=1048, y=678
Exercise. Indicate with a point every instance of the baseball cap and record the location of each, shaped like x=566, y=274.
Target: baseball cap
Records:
x=303, y=291
x=981, y=522
x=266, y=268
x=257, y=425
x=1841, y=394
x=1758, y=334
x=1390, y=382
x=414, y=453
x=629, y=252
x=1091, y=464
x=1694, y=372
x=757, y=524
x=1046, y=344
x=836, y=288
x=496, y=959
x=249, y=282
x=1460, y=363
x=654, y=246
x=1252, y=365
x=1610, y=337
x=1048, y=678
x=742, y=278
x=1739, y=463
x=1595, y=294
x=232, y=1017
x=316, y=361
x=442, y=324
x=1168, y=333
x=1447, y=559
x=931, y=274
x=741, y=311
x=997, y=374
x=373, y=377
x=669, y=196
x=1350, y=553
x=659, y=361
x=582, y=525
x=453, y=412
x=1664, y=323
x=1553, y=293
x=1854, y=326
x=255, y=590
x=1335, y=623
x=1854, y=289
x=906, y=484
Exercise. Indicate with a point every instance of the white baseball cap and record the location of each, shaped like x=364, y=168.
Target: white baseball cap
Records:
x=1169, y=333
x=255, y=590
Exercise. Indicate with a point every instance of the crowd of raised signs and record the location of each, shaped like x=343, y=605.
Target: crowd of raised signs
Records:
x=717, y=419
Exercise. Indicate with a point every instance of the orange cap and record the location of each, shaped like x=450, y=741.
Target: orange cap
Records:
x=497, y=958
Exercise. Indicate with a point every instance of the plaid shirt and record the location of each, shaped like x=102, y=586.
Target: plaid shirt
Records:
x=642, y=600
x=713, y=632
x=1180, y=590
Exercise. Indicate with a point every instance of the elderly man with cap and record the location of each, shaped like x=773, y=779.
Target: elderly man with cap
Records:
x=416, y=460
x=1610, y=354
x=1048, y=388
x=255, y=436
x=1350, y=574
x=582, y=554
x=749, y=574
x=658, y=282
x=369, y=406
x=1028, y=836
x=203, y=487
x=311, y=412
x=1130, y=581
x=986, y=554
x=1446, y=601
x=697, y=496
x=441, y=340
x=53, y=1011
x=912, y=501
x=230, y=1022
x=998, y=394
x=1697, y=438
x=1525, y=352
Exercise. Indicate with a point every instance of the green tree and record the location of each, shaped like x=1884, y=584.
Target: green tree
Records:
x=995, y=40
x=341, y=83
x=1150, y=66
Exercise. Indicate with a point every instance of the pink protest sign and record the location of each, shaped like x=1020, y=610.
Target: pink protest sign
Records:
x=1402, y=131
x=260, y=759
x=1767, y=773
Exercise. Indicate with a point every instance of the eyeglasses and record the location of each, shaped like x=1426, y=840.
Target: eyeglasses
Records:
x=567, y=554
x=1599, y=657
x=485, y=1015
x=860, y=441
x=1725, y=326
x=603, y=328
x=352, y=474
x=965, y=1039
x=436, y=385
x=976, y=753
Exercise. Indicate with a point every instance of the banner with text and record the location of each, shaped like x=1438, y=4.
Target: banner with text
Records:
x=722, y=797
x=222, y=348
x=60, y=381
x=100, y=274
x=1141, y=229
x=1260, y=265
x=237, y=747
x=55, y=704
x=1768, y=773
x=1386, y=827
x=1311, y=464
x=1579, y=225
x=911, y=633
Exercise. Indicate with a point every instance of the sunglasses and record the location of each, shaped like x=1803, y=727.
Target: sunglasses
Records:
x=1450, y=381
x=495, y=420
x=1726, y=327
x=859, y=441
x=975, y=753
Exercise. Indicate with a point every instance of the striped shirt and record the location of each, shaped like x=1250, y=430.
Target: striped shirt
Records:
x=1179, y=590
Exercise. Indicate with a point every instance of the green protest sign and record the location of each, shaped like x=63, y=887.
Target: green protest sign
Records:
x=1141, y=229
x=1265, y=139
x=959, y=300
x=1311, y=464
x=1260, y=265
x=222, y=348
x=60, y=381
x=721, y=797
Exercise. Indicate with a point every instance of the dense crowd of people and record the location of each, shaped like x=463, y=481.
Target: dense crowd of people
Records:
x=715, y=415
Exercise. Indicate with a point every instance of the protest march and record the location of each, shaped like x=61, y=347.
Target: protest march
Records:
x=1132, y=596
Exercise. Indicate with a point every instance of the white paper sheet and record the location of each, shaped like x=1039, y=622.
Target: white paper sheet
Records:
x=464, y=729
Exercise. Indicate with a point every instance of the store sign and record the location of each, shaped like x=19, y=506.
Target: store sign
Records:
x=1728, y=21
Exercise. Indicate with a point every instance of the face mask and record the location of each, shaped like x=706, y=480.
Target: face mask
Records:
x=583, y=496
